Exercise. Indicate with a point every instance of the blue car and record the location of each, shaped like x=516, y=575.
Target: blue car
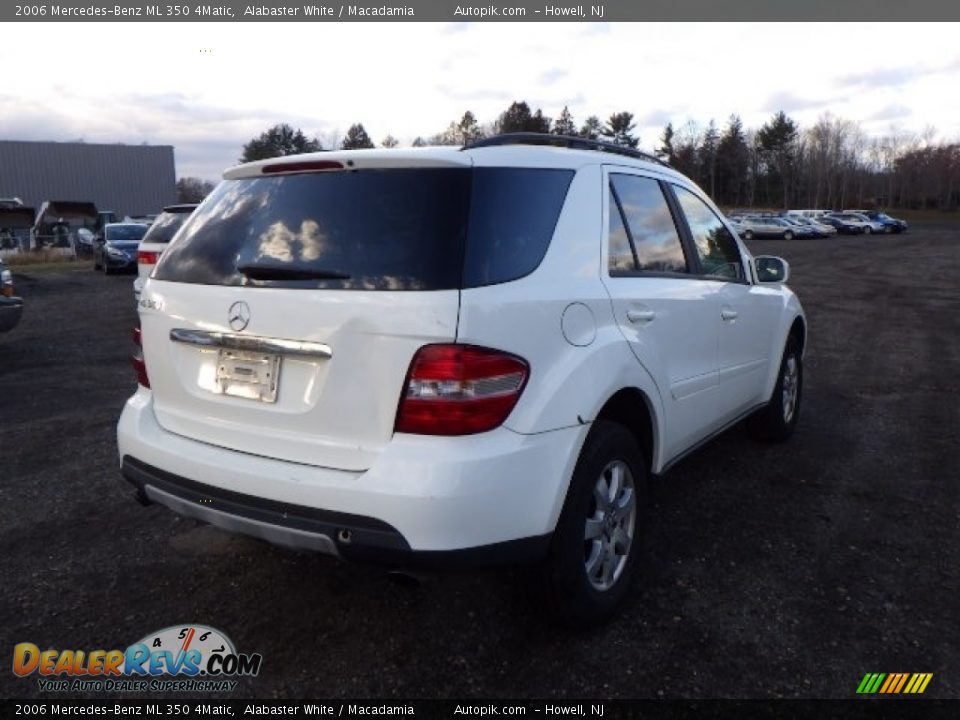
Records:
x=116, y=248
x=889, y=224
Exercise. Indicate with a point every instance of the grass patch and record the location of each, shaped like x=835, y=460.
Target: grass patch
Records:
x=40, y=257
x=45, y=261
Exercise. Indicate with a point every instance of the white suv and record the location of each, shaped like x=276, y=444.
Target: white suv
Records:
x=449, y=356
x=158, y=237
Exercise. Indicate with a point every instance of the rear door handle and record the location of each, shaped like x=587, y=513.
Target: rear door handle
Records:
x=728, y=314
x=639, y=316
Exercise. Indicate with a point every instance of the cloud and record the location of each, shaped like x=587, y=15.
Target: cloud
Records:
x=886, y=77
x=455, y=28
x=600, y=28
x=790, y=102
x=549, y=77
x=467, y=96
x=895, y=111
x=656, y=117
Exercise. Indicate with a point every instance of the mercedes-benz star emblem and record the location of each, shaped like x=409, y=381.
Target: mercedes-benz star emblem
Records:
x=239, y=316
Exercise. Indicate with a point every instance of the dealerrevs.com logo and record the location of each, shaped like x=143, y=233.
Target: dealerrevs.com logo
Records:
x=177, y=658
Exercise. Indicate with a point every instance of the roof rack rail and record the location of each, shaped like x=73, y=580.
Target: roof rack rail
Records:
x=567, y=141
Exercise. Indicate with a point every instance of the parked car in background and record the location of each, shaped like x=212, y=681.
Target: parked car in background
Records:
x=85, y=241
x=890, y=225
x=802, y=229
x=818, y=229
x=847, y=223
x=807, y=213
x=159, y=235
x=768, y=226
x=11, y=306
x=454, y=356
x=875, y=226
x=116, y=249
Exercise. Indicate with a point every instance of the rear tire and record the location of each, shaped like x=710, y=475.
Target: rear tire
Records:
x=867, y=230
x=596, y=545
x=776, y=421
x=788, y=235
x=748, y=234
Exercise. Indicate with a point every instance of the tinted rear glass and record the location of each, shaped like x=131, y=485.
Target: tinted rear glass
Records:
x=165, y=227
x=121, y=233
x=513, y=213
x=403, y=229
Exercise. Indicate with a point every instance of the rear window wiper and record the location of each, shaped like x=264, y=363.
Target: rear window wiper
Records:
x=281, y=272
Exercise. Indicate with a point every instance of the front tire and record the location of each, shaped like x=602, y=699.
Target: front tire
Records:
x=776, y=421
x=594, y=552
x=788, y=235
x=748, y=234
x=867, y=230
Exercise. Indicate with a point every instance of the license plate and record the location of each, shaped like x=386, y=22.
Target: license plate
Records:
x=251, y=375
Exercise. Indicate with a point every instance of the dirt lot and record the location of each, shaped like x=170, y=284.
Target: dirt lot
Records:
x=773, y=571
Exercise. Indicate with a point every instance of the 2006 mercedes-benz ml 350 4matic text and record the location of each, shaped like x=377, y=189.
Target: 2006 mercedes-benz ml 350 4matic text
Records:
x=449, y=356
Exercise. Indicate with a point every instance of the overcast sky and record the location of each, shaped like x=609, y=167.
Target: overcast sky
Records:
x=207, y=88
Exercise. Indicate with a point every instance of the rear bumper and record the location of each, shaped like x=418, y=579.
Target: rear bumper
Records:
x=117, y=264
x=488, y=499
x=11, y=308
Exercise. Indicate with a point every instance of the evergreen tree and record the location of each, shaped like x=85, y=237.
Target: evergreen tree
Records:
x=468, y=129
x=356, y=138
x=278, y=141
x=733, y=163
x=518, y=118
x=619, y=129
x=777, y=148
x=665, y=152
x=591, y=128
x=564, y=125
x=708, y=158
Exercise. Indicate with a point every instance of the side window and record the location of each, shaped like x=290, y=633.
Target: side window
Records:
x=643, y=235
x=620, y=260
x=716, y=248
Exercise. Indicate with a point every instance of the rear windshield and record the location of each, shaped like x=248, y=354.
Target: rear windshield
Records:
x=403, y=229
x=165, y=227
x=122, y=233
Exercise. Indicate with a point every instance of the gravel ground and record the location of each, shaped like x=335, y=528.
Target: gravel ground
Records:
x=772, y=571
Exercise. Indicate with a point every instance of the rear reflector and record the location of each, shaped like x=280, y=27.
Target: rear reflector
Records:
x=145, y=257
x=305, y=166
x=139, y=364
x=460, y=390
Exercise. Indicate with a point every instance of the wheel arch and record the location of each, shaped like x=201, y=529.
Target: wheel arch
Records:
x=631, y=408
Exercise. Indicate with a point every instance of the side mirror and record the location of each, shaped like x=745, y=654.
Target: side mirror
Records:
x=772, y=269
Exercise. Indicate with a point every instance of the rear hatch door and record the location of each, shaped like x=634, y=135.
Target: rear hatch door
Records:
x=283, y=320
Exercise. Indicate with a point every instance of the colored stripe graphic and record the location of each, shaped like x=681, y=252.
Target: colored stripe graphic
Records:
x=875, y=685
x=903, y=680
x=894, y=683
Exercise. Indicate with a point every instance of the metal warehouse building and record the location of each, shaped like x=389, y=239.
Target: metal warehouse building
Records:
x=130, y=179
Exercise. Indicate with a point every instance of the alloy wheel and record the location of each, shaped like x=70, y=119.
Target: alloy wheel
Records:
x=610, y=525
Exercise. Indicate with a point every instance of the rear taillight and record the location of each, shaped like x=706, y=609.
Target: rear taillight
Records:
x=146, y=257
x=139, y=364
x=460, y=390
